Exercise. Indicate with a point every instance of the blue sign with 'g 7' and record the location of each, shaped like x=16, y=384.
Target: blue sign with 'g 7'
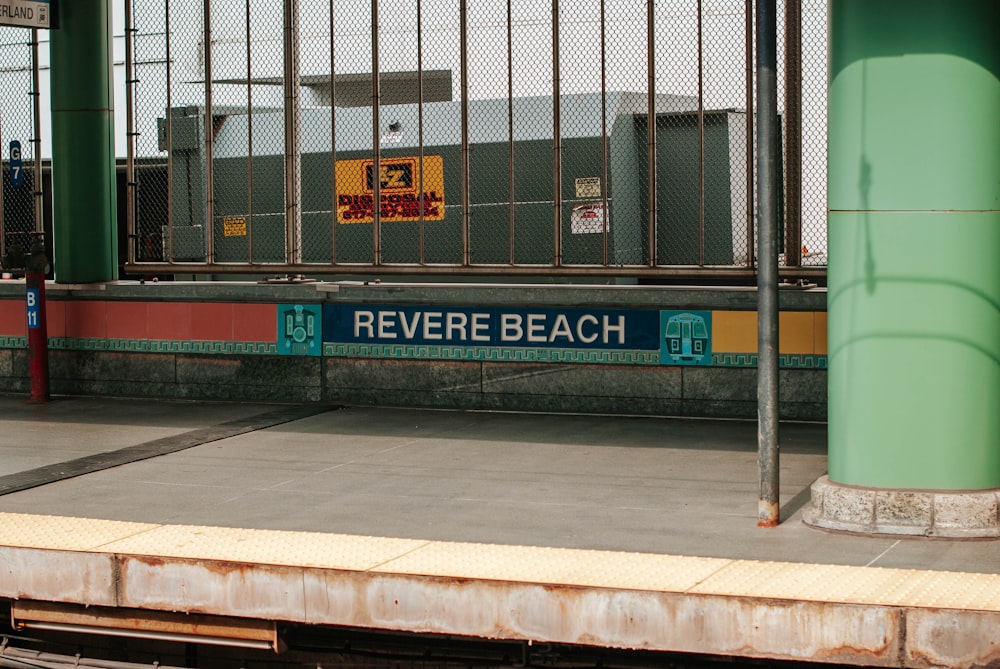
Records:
x=16, y=166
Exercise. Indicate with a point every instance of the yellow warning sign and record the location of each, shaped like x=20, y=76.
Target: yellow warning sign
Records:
x=234, y=226
x=588, y=187
x=399, y=182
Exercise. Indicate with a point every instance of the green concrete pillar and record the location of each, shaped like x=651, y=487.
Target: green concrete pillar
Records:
x=83, y=143
x=914, y=244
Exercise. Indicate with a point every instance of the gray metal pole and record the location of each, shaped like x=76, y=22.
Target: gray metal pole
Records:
x=767, y=264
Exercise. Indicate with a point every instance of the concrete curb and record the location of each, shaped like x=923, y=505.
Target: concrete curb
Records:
x=948, y=514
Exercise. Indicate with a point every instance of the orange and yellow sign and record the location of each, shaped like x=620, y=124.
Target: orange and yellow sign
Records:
x=234, y=226
x=399, y=184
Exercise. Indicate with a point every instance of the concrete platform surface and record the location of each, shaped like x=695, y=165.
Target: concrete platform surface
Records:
x=427, y=496
x=687, y=487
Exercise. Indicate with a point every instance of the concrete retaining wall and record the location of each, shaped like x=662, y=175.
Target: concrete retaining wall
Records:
x=224, y=341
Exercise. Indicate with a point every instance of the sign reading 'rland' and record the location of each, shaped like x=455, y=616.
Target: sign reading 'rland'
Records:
x=25, y=13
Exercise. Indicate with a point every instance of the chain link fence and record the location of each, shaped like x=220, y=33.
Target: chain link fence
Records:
x=21, y=207
x=497, y=136
x=813, y=145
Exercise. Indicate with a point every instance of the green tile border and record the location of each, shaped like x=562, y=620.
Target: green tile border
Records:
x=408, y=352
x=478, y=354
x=13, y=341
x=490, y=354
x=785, y=361
x=162, y=346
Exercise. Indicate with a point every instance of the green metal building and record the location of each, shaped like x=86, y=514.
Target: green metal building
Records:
x=510, y=163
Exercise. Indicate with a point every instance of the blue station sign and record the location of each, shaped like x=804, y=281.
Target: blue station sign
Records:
x=569, y=328
x=518, y=334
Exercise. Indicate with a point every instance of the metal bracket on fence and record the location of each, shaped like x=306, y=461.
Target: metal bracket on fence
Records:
x=288, y=279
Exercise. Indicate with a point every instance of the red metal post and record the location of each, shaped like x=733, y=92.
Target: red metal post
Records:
x=38, y=338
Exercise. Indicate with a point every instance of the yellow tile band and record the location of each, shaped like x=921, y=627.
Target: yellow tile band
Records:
x=799, y=332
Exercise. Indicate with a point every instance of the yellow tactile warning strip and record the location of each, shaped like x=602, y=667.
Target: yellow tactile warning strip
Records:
x=273, y=547
x=60, y=533
x=562, y=566
x=856, y=585
x=519, y=564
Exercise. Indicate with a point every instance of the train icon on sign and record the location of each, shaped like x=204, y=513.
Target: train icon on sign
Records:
x=686, y=340
x=299, y=329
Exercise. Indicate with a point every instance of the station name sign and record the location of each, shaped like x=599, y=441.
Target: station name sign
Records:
x=26, y=13
x=498, y=327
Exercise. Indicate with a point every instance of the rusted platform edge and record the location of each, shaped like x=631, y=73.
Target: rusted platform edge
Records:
x=610, y=617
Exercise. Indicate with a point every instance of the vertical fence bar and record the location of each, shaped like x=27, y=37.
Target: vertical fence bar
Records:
x=651, y=129
x=36, y=140
x=556, y=140
x=420, y=124
x=293, y=157
x=793, y=133
x=605, y=210
x=170, y=139
x=249, y=141
x=333, y=142
x=701, y=138
x=3, y=223
x=130, y=185
x=748, y=38
x=510, y=130
x=464, y=66
x=376, y=137
x=209, y=141
x=768, y=184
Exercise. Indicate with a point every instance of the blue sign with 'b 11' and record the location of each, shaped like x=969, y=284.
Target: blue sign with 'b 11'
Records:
x=34, y=320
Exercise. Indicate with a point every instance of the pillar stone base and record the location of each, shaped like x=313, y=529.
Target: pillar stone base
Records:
x=928, y=513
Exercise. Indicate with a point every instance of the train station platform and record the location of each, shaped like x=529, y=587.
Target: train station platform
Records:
x=603, y=531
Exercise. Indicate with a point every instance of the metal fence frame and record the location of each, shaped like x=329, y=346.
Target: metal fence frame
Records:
x=36, y=169
x=293, y=263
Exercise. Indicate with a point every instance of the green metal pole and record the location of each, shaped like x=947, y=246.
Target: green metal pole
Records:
x=914, y=237
x=83, y=143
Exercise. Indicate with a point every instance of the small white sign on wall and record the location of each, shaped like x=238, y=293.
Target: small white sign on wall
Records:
x=587, y=218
